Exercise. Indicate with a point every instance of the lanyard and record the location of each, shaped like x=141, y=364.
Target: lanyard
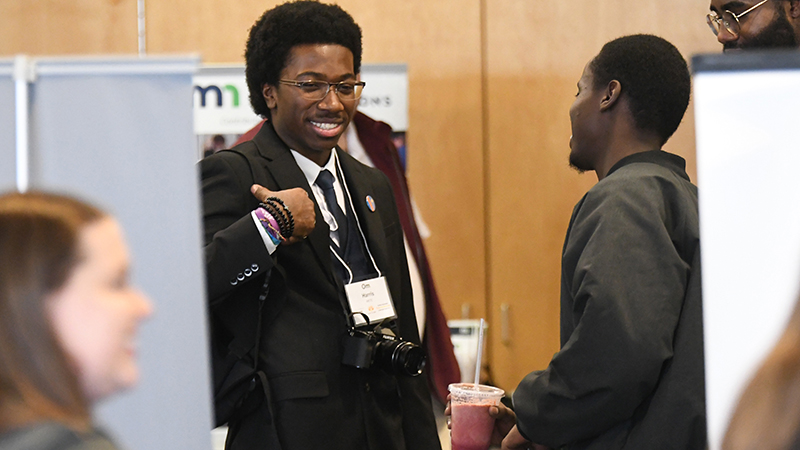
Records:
x=349, y=199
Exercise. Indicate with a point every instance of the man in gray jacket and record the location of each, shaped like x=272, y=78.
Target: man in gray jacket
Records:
x=629, y=374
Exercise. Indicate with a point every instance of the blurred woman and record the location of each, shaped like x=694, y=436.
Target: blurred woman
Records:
x=768, y=414
x=68, y=320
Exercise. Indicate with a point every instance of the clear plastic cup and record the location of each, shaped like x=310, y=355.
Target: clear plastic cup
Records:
x=470, y=423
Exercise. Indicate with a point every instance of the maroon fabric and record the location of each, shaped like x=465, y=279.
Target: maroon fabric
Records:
x=376, y=138
x=250, y=134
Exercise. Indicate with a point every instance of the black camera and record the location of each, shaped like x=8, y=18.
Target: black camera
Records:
x=382, y=349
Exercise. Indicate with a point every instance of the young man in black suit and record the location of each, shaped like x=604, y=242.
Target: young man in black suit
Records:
x=288, y=215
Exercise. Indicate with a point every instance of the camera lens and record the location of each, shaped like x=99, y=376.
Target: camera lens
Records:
x=402, y=357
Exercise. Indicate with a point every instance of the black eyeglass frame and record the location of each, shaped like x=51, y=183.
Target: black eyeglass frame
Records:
x=715, y=21
x=357, y=86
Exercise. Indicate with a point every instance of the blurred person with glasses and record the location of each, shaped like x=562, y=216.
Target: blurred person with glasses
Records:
x=295, y=230
x=753, y=24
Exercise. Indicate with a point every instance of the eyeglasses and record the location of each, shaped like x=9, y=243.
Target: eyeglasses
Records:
x=729, y=20
x=317, y=90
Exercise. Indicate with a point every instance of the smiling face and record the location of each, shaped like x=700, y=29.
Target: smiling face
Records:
x=767, y=26
x=96, y=314
x=312, y=128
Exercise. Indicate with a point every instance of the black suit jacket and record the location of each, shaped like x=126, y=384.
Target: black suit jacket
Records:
x=313, y=400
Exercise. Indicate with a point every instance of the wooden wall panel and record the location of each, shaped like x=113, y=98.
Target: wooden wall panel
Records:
x=56, y=27
x=513, y=69
x=216, y=29
x=535, y=53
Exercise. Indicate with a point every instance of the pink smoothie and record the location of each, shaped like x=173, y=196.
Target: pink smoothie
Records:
x=471, y=427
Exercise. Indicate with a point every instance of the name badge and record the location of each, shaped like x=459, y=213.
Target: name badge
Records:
x=372, y=298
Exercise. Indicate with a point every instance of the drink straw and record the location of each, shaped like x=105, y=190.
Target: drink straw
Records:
x=480, y=354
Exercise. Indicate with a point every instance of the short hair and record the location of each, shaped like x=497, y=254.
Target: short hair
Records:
x=39, y=249
x=654, y=77
x=279, y=29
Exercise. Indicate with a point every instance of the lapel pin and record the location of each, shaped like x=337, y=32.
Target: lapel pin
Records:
x=371, y=203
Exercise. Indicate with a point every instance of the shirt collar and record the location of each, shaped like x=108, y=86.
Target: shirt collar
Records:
x=672, y=162
x=311, y=170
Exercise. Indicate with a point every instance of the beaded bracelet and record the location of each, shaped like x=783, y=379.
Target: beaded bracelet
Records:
x=287, y=228
x=279, y=217
x=275, y=215
x=283, y=212
x=286, y=210
x=270, y=225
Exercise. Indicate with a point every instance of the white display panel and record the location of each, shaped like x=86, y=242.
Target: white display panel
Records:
x=385, y=97
x=118, y=132
x=748, y=155
x=221, y=101
x=222, y=105
x=7, y=124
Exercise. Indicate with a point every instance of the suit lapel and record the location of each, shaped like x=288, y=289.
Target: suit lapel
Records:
x=287, y=174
